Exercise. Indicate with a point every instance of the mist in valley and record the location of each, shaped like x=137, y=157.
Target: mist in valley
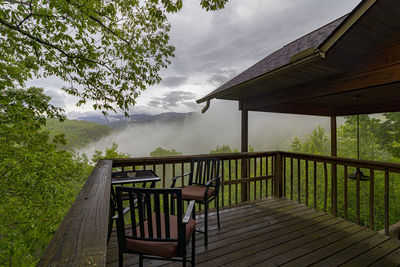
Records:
x=199, y=134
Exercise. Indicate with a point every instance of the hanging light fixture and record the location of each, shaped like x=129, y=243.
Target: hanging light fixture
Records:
x=358, y=174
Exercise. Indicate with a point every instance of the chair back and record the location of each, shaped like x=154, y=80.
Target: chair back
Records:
x=149, y=216
x=203, y=170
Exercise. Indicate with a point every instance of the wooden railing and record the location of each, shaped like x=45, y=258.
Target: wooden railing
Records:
x=249, y=172
x=318, y=181
x=324, y=183
x=81, y=239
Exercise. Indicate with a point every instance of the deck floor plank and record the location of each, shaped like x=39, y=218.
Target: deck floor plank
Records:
x=374, y=254
x=392, y=259
x=280, y=232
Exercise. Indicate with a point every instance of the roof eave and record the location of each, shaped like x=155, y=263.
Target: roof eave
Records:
x=317, y=54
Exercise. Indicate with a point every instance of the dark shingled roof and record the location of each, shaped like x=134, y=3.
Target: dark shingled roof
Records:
x=282, y=56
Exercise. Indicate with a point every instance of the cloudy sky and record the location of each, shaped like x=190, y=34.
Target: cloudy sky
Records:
x=212, y=47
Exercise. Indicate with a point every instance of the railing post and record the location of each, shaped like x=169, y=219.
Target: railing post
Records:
x=245, y=148
x=333, y=166
x=278, y=192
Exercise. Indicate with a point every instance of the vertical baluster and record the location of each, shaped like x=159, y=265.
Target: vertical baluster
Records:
x=255, y=175
x=326, y=185
x=291, y=178
x=386, y=202
x=266, y=173
x=261, y=174
x=306, y=170
x=345, y=192
x=298, y=181
x=163, y=173
x=371, y=199
x=284, y=176
x=357, y=198
x=182, y=172
x=272, y=172
x=315, y=185
x=236, y=177
x=144, y=167
x=173, y=169
x=223, y=181
x=230, y=179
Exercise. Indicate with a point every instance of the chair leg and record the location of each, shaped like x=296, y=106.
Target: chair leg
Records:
x=206, y=224
x=184, y=260
x=217, y=199
x=140, y=260
x=120, y=258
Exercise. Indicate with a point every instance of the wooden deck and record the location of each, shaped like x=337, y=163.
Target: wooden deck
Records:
x=279, y=232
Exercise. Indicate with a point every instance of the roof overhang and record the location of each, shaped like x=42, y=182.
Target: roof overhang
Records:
x=351, y=63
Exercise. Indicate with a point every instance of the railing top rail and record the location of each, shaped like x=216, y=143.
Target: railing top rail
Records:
x=81, y=238
x=186, y=158
x=358, y=163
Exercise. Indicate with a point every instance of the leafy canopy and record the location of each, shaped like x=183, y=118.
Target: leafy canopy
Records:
x=38, y=180
x=161, y=152
x=107, y=51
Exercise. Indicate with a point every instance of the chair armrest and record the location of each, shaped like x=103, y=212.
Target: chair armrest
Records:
x=125, y=211
x=189, y=212
x=215, y=180
x=178, y=176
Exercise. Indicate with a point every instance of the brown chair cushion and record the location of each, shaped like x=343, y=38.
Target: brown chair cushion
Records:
x=161, y=249
x=196, y=192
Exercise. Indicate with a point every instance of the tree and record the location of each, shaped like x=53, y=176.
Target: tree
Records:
x=389, y=134
x=223, y=149
x=38, y=181
x=161, y=152
x=370, y=134
x=314, y=143
x=110, y=153
x=107, y=51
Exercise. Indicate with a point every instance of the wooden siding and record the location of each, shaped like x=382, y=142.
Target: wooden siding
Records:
x=281, y=232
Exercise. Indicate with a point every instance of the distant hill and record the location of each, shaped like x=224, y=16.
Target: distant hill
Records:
x=78, y=133
x=120, y=121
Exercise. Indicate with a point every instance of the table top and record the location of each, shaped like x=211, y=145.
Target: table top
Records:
x=130, y=177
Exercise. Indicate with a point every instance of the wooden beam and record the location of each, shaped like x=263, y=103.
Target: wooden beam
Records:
x=244, y=148
x=346, y=83
x=292, y=108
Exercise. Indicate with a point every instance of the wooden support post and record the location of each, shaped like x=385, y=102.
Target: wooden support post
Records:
x=278, y=189
x=333, y=166
x=245, y=145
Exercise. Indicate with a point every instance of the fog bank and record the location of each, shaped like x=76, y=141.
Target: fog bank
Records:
x=220, y=125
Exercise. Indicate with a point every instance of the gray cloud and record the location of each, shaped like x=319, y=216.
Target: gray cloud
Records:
x=172, y=99
x=244, y=31
x=154, y=103
x=57, y=98
x=217, y=79
x=174, y=81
